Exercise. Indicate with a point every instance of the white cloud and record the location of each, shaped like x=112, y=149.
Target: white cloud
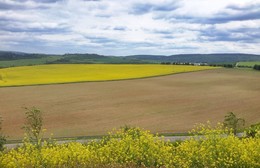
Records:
x=111, y=27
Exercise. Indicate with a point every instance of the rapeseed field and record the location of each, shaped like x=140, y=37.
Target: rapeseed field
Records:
x=135, y=147
x=67, y=73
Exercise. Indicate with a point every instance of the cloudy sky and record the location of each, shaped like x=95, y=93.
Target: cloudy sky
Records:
x=127, y=27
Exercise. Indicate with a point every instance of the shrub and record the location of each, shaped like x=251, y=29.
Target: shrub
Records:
x=2, y=137
x=217, y=148
x=256, y=67
x=253, y=130
x=33, y=126
x=231, y=121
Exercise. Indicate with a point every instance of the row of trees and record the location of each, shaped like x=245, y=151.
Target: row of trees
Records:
x=226, y=65
x=199, y=64
x=183, y=63
x=255, y=67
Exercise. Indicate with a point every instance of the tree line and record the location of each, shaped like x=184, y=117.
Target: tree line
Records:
x=226, y=65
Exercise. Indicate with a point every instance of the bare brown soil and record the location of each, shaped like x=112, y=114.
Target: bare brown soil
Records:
x=171, y=103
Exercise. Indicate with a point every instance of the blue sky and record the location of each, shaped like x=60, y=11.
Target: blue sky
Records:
x=116, y=27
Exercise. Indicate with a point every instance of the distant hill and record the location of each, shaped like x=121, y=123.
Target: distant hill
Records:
x=95, y=58
x=209, y=58
x=11, y=55
x=10, y=58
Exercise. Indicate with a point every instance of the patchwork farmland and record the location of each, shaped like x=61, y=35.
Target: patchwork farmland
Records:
x=172, y=103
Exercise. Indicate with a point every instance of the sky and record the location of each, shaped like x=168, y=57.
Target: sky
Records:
x=129, y=27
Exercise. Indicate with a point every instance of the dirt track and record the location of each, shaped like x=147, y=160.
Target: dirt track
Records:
x=171, y=103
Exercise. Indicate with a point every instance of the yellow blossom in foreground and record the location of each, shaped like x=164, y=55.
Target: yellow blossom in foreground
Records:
x=134, y=147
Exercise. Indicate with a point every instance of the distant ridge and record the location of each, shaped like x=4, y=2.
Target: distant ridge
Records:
x=209, y=58
x=15, y=55
x=74, y=58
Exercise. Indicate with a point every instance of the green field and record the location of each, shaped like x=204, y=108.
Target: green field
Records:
x=26, y=62
x=248, y=64
x=68, y=73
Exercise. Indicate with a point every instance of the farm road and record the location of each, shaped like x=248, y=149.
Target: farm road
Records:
x=166, y=138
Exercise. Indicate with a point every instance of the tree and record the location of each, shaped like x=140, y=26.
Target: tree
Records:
x=33, y=125
x=231, y=121
x=256, y=67
x=253, y=130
